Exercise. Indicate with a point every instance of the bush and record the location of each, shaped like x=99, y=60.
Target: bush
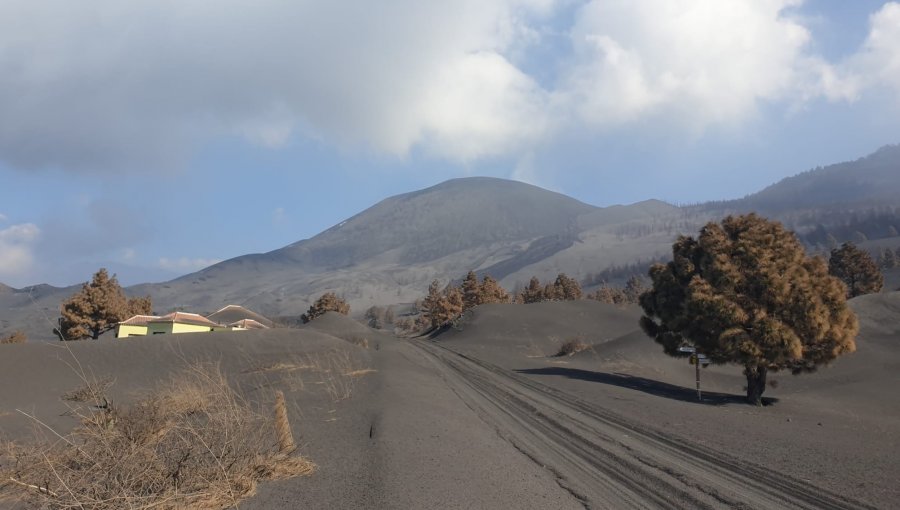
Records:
x=194, y=443
x=16, y=337
x=571, y=347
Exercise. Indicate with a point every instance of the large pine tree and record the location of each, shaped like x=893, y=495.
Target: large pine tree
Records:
x=97, y=308
x=745, y=292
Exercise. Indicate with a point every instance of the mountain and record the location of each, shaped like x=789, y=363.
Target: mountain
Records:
x=390, y=252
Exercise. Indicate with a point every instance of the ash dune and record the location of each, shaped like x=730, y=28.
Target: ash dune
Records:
x=421, y=427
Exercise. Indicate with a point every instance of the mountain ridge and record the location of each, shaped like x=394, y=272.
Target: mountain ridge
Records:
x=390, y=252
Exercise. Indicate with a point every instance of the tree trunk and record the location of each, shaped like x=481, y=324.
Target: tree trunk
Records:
x=756, y=383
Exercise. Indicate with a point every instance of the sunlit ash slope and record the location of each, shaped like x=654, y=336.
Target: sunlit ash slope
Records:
x=391, y=251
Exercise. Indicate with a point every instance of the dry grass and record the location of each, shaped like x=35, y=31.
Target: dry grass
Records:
x=194, y=443
x=93, y=390
x=334, y=372
x=571, y=347
x=16, y=337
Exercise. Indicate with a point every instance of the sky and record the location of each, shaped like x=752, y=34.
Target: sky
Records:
x=157, y=137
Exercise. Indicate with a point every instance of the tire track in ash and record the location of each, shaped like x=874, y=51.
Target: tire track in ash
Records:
x=608, y=461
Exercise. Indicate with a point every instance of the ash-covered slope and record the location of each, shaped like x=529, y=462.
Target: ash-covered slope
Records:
x=429, y=224
x=393, y=248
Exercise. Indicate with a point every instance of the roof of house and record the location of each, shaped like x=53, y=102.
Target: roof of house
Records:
x=248, y=324
x=186, y=318
x=235, y=313
x=139, y=320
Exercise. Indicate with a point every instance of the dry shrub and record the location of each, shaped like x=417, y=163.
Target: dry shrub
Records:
x=16, y=337
x=570, y=347
x=194, y=443
x=93, y=390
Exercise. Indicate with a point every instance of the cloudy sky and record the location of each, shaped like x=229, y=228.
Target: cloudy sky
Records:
x=155, y=137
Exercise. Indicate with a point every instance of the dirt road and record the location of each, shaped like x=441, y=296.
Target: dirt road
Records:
x=607, y=461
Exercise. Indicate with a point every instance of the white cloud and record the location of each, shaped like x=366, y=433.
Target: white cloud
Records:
x=106, y=84
x=3, y=218
x=16, y=250
x=706, y=61
x=186, y=264
x=117, y=85
x=878, y=63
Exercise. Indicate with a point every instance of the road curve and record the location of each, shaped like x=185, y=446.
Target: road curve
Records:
x=608, y=461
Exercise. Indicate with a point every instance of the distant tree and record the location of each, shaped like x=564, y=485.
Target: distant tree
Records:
x=608, y=294
x=376, y=317
x=551, y=293
x=533, y=293
x=566, y=289
x=856, y=269
x=16, y=337
x=831, y=241
x=887, y=259
x=328, y=302
x=860, y=237
x=97, y=308
x=634, y=287
x=442, y=307
x=471, y=291
x=431, y=305
x=892, y=231
x=492, y=292
x=745, y=292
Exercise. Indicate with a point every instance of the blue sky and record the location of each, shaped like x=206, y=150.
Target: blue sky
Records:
x=155, y=138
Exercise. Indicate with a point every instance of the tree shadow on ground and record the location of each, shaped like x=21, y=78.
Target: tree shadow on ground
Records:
x=650, y=386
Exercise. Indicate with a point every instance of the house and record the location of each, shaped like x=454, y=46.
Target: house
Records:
x=245, y=324
x=236, y=313
x=135, y=326
x=182, y=322
x=230, y=318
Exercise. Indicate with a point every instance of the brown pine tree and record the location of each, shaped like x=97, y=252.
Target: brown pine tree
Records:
x=98, y=307
x=328, y=302
x=856, y=269
x=745, y=292
x=471, y=291
x=609, y=295
x=431, y=305
x=534, y=293
x=634, y=287
x=492, y=292
x=566, y=289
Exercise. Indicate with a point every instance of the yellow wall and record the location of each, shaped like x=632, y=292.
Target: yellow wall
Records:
x=126, y=330
x=156, y=328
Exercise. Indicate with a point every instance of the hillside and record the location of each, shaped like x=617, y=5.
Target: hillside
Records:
x=390, y=252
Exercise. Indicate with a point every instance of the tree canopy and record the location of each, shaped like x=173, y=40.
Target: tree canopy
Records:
x=745, y=292
x=98, y=307
x=856, y=269
x=328, y=302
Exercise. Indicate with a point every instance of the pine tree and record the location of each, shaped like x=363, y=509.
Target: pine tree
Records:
x=634, y=287
x=566, y=289
x=745, y=292
x=887, y=259
x=471, y=291
x=328, y=302
x=534, y=293
x=97, y=308
x=492, y=292
x=856, y=269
